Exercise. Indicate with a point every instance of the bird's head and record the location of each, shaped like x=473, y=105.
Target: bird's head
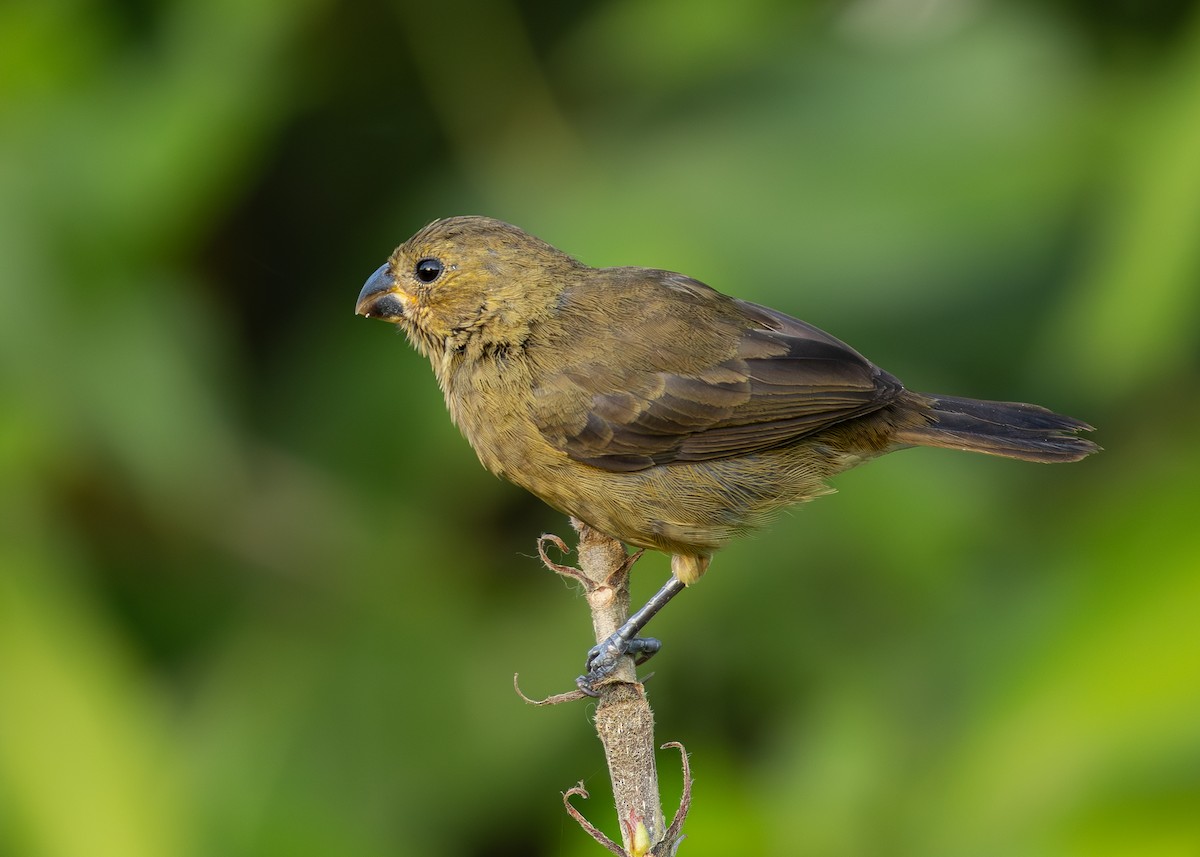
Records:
x=467, y=281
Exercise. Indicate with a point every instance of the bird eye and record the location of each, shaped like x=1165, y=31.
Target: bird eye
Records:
x=429, y=270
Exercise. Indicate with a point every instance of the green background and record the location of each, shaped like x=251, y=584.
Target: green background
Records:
x=257, y=597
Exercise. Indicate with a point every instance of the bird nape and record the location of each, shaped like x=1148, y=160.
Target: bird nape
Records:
x=654, y=408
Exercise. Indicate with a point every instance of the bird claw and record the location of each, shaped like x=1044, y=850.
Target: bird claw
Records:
x=603, y=658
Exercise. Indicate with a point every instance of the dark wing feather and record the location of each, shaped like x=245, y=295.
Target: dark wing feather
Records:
x=717, y=378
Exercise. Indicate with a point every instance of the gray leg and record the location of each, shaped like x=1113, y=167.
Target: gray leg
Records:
x=602, y=658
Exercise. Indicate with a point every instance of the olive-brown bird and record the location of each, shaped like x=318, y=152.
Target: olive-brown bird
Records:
x=654, y=408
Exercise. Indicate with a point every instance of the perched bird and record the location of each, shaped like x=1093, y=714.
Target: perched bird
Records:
x=651, y=406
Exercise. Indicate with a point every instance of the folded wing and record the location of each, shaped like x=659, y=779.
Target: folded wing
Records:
x=716, y=379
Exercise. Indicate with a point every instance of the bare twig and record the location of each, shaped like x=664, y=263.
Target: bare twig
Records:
x=624, y=721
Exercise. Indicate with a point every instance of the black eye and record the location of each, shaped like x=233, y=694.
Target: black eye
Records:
x=429, y=270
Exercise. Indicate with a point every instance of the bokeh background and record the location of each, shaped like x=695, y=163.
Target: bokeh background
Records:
x=257, y=597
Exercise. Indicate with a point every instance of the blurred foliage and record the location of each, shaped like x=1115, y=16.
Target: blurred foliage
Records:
x=256, y=595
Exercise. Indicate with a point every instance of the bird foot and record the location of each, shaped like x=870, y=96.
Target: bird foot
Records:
x=603, y=658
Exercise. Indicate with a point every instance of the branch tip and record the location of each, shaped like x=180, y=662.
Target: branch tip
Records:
x=637, y=836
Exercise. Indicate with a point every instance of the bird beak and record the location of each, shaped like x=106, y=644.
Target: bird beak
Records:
x=381, y=297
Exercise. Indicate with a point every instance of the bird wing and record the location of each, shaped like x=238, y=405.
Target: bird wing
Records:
x=695, y=377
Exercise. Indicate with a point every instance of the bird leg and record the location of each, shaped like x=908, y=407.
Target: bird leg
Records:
x=603, y=657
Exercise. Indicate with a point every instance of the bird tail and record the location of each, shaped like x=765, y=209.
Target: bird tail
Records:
x=1009, y=429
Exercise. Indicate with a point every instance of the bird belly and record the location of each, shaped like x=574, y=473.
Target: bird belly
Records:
x=678, y=508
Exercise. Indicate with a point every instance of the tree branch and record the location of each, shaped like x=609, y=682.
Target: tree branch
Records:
x=624, y=721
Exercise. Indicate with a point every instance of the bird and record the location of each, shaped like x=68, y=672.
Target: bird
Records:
x=654, y=408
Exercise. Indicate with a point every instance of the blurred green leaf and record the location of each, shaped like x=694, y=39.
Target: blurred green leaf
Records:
x=85, y=749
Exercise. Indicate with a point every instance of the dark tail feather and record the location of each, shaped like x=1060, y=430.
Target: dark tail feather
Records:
x=1010, y=429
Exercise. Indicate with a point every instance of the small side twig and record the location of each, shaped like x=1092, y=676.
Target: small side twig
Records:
x=567, y=571
x=553, y=699
x=675, y=831
x=592, y=831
